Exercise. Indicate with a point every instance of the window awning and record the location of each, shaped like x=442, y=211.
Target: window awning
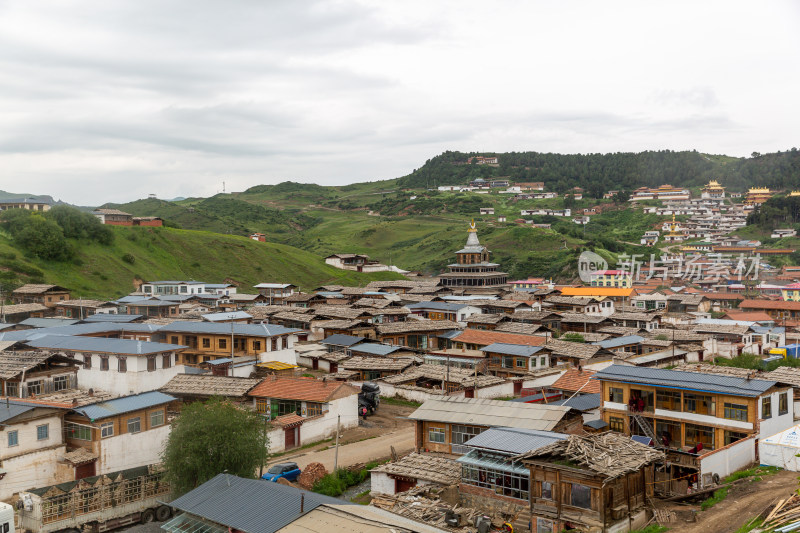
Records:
x=183, y=523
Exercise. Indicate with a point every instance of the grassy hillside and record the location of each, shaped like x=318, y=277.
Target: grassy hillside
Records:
x=165, y=253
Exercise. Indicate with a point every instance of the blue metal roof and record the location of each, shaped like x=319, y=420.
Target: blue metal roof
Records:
x=596, y=424
x=100, y=344
x=221, y=317
x=616, y=342
x=513, y=440
x=9, y=410
x=438, y=306
x=675, y=379
x=250, y=505
x=373, y=348
x=126, y=404
x=48, y=322
x=511, y=349
x=583, y=402
x=342, y=340
x=108, y=317
x=211, y=328
x=452, y=334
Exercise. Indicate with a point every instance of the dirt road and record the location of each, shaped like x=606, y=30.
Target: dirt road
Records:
x=745, y=500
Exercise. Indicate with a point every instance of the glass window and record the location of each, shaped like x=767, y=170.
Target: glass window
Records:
x=206, y=343
x=669, y=433
x=166, y=361
x=735, y=411
x=699, y=404
x=699, y=435
x=616, y=424
x=581, y=496
x=151, y=363
x=13, y=438
x=223, y=344
x=107, y=430
x=520, y=362
x=35, y=387
x=60, y=383
x=766, y=407
x=542, y=361
x=436, y=435
x=12, y=389
x=733, y=436
x=783, y=403
x=313, y=409
x=262, y=405
x=134, y=425
x=103, y=362
x=78, y=431
x=669, y=400
x=615, y=394
x=157, y=418
x=43, y=432
x=256, y=346
x=122, y=364
x=174, y=339
x=87, y=361
x=496, y=360
x=461, y=434
x=501, y=481
x=547, y=490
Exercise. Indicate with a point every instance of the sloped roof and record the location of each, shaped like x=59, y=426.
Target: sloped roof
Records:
x=511, y=349
x=377, y=363
x=37, y=288
x=342, y=340
x=126, y=404
x=485, y=337
x=414, y=326
x=574, y=380
x=491, y=413
x=100, y=344
x=13, y=364
x=597, y=291
x=581, y=402
x=770, y=304
x=513, y=440
x=304, y=389
x=428, y=467
x=209, y=385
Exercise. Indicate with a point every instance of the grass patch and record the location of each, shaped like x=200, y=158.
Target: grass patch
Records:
x=400, y=402
x=303, y=447
x=756, y=472
x=335, y=483
x=718, y=496
x=362, y=498
x=750, y=526
x=652, y=528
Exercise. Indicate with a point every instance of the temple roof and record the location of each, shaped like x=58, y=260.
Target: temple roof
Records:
x=473, y=246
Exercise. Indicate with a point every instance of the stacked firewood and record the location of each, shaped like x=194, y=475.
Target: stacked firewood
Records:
x=786, y=512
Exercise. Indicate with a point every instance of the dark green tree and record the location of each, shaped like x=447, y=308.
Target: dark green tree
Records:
x=79, y=225
x=211, y=437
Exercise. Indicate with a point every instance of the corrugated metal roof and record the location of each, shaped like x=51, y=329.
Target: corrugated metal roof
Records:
x=511, y=349
x=342, y=340
x=584, y=402
x=513, y=440
x=7, y=412
x=48, y=322
x=375, y=348
x=251, y=330
x=221, y=317
x=439, y=306
x=99, y=344
x=676, y=379
x=249, y=505
x=491, y=413
x=125, y=404
x=109, y=317
x=609, y=344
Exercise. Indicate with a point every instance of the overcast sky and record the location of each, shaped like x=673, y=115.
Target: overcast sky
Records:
x=111, y=101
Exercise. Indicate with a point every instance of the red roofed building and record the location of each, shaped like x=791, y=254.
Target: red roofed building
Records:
x=775, y=308
x=748, y=316
x=577, y=380
x=473, y=339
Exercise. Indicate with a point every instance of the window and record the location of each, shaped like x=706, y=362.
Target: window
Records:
x=283, y=407
x=223, y=344
x=151, y=363
x=735, y=411
x=43, y=432
x=313, y=409
x=166, y=361
x=87, y=361
x=783, y=403
x=698, y=403
x=35, y=387
x=542, y=361
x=436, y=435
x=733, y=436
x=669, y=400
x=615, y=394
x=12, y=389
x=174, y=339
x=669, y=433
x=103, y=362
x=511, y=482
x=262, y=405
x=206, y=343
x=134, y=425
x=616, y=424
x=157, y=418
x=547, y=490
x=274, y=344
x=78, y=431
x=13, y=438
x=122, y=364
x=256, y=346
x=520, y=362
x=544, y=526
x=581, y=496
x=496, y=360
x=766, y=407
x=699, y=435
x=106, y=430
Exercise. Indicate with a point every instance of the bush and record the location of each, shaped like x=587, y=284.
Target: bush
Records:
x=718, y=496
x=128, y=258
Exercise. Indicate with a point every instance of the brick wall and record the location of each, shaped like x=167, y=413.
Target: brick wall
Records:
x=481, y=498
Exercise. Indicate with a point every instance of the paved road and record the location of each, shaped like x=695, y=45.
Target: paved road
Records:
x=358, y=452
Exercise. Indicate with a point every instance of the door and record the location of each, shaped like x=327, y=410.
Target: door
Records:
x=469, y=393
x=85, y=470
x=315, y=364
x=334, y=368
x=517, y=388
x=289, y=439
x=402, y=485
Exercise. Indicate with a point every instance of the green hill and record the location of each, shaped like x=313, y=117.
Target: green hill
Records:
x=106, y=271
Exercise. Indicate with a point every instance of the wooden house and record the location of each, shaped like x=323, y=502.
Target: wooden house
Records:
x=32, y=373
x=40, y=293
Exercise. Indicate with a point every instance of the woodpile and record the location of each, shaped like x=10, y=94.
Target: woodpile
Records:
x=785, y=513
x=423, y=504
x=311, y=474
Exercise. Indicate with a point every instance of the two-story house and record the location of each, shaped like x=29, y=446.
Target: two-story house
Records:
x=28, y=374
x=513, y=360
x=276, y=293
x=40, y=293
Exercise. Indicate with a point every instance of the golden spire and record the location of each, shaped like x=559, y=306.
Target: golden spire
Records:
x=472, y=227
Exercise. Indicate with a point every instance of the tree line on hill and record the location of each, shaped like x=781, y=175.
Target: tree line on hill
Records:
x=599, y=173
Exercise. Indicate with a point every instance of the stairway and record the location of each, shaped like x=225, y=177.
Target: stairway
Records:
x=646, y=427
x=521, y=522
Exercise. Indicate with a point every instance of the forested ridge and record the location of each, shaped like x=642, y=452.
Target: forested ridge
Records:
x=598, y=173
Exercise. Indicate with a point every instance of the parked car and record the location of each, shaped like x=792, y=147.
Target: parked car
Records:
x=287, y=471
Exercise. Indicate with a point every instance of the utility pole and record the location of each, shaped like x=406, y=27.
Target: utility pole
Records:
x=336, y=451
x=232, y=353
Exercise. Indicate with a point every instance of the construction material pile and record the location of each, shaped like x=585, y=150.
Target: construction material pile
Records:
x=785, y=516
x=423, y=504
x=311, y=474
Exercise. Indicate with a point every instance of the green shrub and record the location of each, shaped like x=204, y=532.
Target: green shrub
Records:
x=128, y=258
x=718, y=496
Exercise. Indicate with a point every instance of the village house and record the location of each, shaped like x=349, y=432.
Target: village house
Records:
x=152, y=308
x=38, y=293
x=194, y=387
x=444, y=425
x=122, y=433
x=83, y=308
x=420, y=383
x=611, y=278
x=416, y=334
x=31, y=204
x=414, y=470
x=13, y=314
x=276, y=293
x=317, y=357
x=304, y=410
x=113, y=217
x=177, y=288
x=513, y=360
x=366, y=368
x=487, y=321
x=29, y=374
x=453, y=311
x=634, y=319
x=475, y=339
x=618, y=295
x=588, y=306
x=777, y=309
x=590, y=483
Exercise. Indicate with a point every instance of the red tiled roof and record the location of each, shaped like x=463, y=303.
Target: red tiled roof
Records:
x=292, y=419
x=770, y=304
x=484, y=338
x=574, y=379
x=724, y=296
x=752, y=316
x=310, y=390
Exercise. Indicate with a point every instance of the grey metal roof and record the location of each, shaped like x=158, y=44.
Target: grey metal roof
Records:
x=596, y=424
x=221, y=317
x=491, y=413
x=676, y=379
x=513, y=440
x=583, y=402
x=342, y=340
x=126, y=404
x=12, y=409
x=249, y=505
x=48, y=322
x=374, y=348
x=511, y=349
x=100, y=344
x=449, y=334
x=149, y=303
x=109, y=317
x=609, y=344
x=247, y=330
x=439, y=306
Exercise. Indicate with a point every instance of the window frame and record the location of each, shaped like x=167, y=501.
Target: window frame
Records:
x=78, y=431
x=612, y=394
x=15, y=433
x=137, y=421
x=734, y=411
x=160, y=413
x=166, y=361
x=766, y=407
x=42, y=432
x=103, y=427
x=105, y=366
x=616, y=423
x=783, y=403
x=122, y=364
x=151, y=363
x=588, y=495
x=438, y=432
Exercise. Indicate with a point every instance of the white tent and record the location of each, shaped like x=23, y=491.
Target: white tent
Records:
x=781, y=449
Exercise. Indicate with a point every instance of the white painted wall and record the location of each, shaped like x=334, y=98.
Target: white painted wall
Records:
x=124, y=383
x=285, y=355
x=32, y=470
x=130, y=450
x=26, y=436
x=776, y=423
x=321, y=428
x=728, y=460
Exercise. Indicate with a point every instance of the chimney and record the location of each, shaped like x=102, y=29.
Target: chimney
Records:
x=91, y=393
x=302, y=502
x=74, y=402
